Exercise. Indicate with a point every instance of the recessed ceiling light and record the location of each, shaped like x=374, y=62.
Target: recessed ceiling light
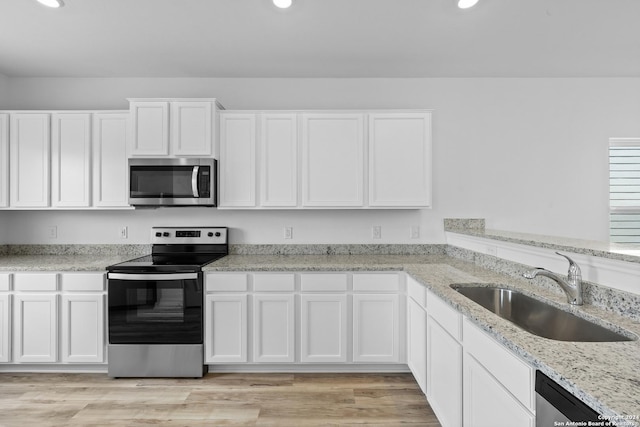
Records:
x=466, y=4
x=51, y=3
x=282, y=4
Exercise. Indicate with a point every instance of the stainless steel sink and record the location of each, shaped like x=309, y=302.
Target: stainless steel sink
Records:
x=538, y=317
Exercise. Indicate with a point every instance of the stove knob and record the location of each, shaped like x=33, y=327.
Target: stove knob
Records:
x=165, y=234
x=218, y=234
x=158, y=234
x=210, y=234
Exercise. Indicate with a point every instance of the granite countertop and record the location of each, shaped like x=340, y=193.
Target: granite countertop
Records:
x=59, y=262
x=618, y=251
x=606, y=376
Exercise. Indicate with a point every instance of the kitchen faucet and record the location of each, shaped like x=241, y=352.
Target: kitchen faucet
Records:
x=572, y=285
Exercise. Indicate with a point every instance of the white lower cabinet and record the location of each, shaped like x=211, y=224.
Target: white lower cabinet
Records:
x=318, y=317
x=5, y=327
x=487, y=402
x=444, y=375
x=417, y=342
x=273, y=328
x=376, y=328
x=35, y=328
x=444, y=361
x=83, y=317
x=225, y=328
x=83, y=328
x=323, y=324
x=498, y=385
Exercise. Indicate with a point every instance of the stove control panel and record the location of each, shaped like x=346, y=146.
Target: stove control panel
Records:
x=190, y=235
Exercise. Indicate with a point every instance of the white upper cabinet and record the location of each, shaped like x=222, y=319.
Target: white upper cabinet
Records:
x=173, y=127
x=150, y=128
x=110, y=159
x=192, y=128
x=4, y=160
x=332, y=160
x=279, y=160
x=400, y=159
x=238, y=160
x=71, y=160
x=30, y=150
x=325, y=159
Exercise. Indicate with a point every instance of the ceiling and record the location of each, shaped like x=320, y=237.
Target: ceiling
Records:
x=320, y=38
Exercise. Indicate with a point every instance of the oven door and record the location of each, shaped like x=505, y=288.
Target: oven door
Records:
x=155, y=308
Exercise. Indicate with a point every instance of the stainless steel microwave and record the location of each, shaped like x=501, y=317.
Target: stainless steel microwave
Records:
x=172, y=182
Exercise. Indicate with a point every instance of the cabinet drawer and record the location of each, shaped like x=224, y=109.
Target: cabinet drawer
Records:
x=449, y=318
x=5, y=282
x=83, y=282
x=232, y=282
x=513, y=373
x=375, y=282
x=417, y=292
x=323, y=282
x=35, y=282
x=274, y=283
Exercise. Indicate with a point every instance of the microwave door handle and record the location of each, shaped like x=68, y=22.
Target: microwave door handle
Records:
x=194, y=181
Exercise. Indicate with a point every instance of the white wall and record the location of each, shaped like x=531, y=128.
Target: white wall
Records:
x=526, y=154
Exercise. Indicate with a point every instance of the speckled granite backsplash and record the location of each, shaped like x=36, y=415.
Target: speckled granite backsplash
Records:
x=623, y=303
x=379, y=249
x=469, y=224
x=107, y=250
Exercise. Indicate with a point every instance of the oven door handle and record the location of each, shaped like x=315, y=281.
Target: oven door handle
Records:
x=194, y=181
x=139, y=277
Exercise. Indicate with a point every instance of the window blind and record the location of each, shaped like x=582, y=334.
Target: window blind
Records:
x=624, y=190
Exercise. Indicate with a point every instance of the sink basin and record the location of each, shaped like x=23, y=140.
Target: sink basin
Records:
x=538, y=317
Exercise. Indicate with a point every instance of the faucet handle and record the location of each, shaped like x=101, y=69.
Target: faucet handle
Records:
x=574, y=269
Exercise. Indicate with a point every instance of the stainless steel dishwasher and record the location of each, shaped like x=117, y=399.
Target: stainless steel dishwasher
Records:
x=554, y=404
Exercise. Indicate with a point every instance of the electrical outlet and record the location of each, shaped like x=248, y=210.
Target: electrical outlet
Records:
x=415, y=232
x=124, y=232
x=376, y=232
x=288, y=232
x=52, y=232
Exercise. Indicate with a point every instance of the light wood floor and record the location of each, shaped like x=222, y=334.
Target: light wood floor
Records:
x=217, y=399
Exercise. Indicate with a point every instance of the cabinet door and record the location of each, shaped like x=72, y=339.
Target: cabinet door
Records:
x=238, y=160
x=444, y=374
x=83, y=328
x=487, y=403
x=417, y=342
x=30, y=149
x=225, y=328
x=333, y=157
x=110, y=173
x=149, y=128
x=273, y=328
x=191, y=128
x=400, y=159
x=376, y=330
x=71, y=159
x=279, y=154
x=323, y=323
x=4, y=160
x=35, y=328
x=5, y=327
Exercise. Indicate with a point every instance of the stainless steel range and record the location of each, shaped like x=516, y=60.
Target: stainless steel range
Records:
x=156, y=304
